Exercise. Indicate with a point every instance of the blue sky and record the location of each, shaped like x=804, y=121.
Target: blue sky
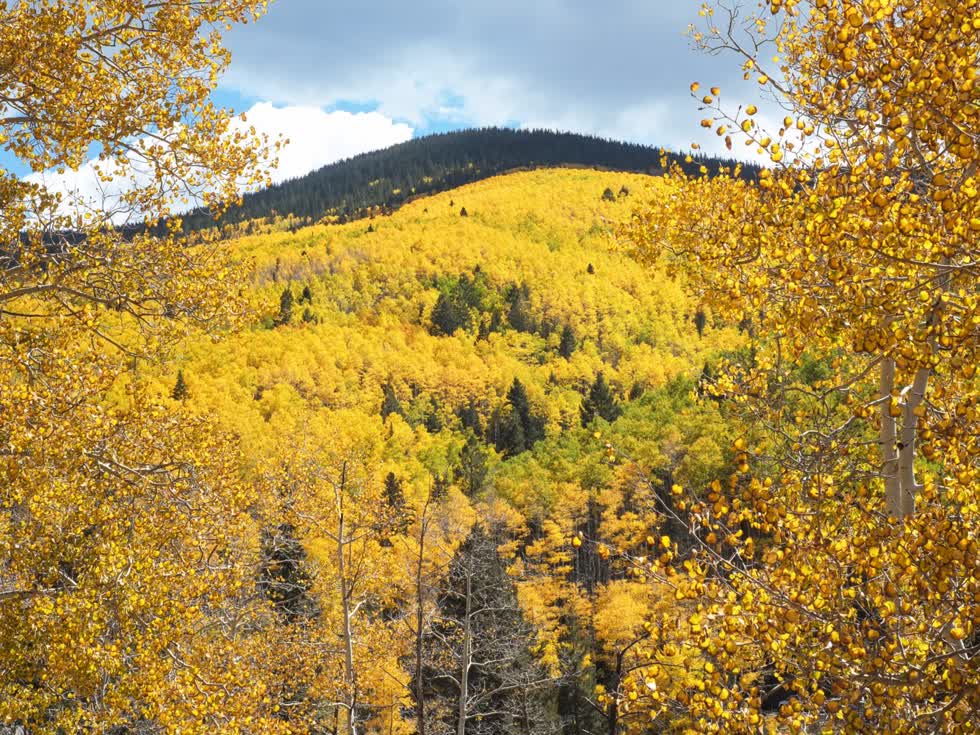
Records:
x=340, y=77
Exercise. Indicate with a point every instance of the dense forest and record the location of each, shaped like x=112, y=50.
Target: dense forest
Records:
x=561, y=450
x=459, y=369
x=383, y=180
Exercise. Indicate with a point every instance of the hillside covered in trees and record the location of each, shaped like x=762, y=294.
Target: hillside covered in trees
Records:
x=563, y=450
x=383, y=180
x=431, y=397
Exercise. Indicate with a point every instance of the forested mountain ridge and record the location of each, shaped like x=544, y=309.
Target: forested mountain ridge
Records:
x=385, y=179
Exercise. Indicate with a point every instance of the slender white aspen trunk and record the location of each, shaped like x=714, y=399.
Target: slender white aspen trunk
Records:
x=906, y=442
x=350, y=680
x=887, y=439
x=464, y=678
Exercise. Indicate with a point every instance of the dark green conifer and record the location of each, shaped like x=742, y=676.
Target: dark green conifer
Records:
x=285, y=307
x=448, y=315
x=700, y=320
x=600, y=403
x=472, y=471
x=568, y=343
x=180, y=392
x=389, y=402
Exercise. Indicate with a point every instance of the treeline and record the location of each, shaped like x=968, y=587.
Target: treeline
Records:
x=387, y=178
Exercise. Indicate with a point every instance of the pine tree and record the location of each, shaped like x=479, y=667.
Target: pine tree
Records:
x=600, y=402
x=389, y=402
x=285, y=306
x=510, y=438
x=395, y=518
x=568, y=343
x=608, y=195
x=472, y=470
x=307, y=296
x=517, y=429
x=519, y=313
x=469, y=417
x=283, y=576
x=700, y=320
x=180, y=392
x=448, y=315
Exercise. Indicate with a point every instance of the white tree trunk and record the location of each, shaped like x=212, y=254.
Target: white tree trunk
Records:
x=464, y=678
x=888, y=437
x=906, y=442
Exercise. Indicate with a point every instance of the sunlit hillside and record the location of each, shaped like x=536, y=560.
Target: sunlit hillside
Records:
x=373, y=286
x=473, y=355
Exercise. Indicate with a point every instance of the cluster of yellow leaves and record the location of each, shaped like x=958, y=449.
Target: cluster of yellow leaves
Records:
x=843, y=552
x=127, y=547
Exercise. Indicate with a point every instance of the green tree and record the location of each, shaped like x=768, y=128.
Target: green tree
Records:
x=389, y=402
x=700, y=320
x=519, y=312
x=600, y=402
x=568, y=343
x=449, y=314
x=472, y=470
x=517, y=429
x=285, y=306
x=510, y=438
x=180, y=392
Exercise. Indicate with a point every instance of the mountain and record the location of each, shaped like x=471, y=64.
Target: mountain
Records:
x=387, y=178
x=430, y=368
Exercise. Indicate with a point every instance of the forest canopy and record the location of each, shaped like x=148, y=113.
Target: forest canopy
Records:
x=421, y=444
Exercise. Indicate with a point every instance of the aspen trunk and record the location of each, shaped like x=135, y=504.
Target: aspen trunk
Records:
x=419, y=620
x=464, y=677
x=888, y=437
x=350, y=679
x=906, y=442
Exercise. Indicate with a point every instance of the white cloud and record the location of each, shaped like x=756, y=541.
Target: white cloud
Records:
x=619, y=69
x=316, y=138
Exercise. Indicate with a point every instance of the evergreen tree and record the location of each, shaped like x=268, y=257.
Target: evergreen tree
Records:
x=700, y=320
x=395, y=518
x=517, y=428
x=283, y=577
x=180, y=392
x=285, y=306
x=600, y=402
x=591, y=269
x=608, y=195
x=389, y=402
x=519, y=313
x=469, y=417
x=308, y=316
x=463, y=212
x=510, y=438
x=472, y=470
x=636, y=391
x=394, y=495
x=568, y=343
x=449, y=314
x=307, y=296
